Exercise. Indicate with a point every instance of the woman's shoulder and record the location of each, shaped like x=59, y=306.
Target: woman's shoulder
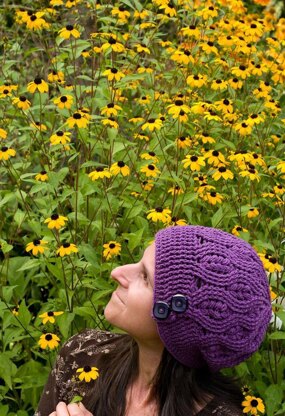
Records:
x=220, y=407
x=89, y=342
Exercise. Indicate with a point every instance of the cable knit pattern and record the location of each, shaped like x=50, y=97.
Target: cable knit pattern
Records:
x=224, y=281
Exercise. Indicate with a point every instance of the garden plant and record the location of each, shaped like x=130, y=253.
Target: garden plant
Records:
x=119, y=119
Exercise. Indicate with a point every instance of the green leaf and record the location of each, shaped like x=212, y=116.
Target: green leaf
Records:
x=7, y=369
x=277, y=335
x=30, y=264
x=76, y=399
x=24, y=315
x=273, y=398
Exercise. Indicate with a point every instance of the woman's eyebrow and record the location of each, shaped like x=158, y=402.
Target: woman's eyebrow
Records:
x=148, y=273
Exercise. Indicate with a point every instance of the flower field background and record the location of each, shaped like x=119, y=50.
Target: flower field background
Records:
x=119, y=119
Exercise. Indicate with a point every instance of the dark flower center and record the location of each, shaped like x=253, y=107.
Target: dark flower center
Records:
x=181, y=113
x=114, y=70
x=66, y=245
x=50, y=314
x=22, y=98
x=77, y=116
x=4, y=149
x=244, y=125
x=253, y=26
x=218, y=81
x=272, y=260
x=43, y=172
x=158, y=209
x=226, y=102
x=239, y=228
x=254, y=116
x=121, y=164
x=196, y=77
x=99, y=169
x=192, y=27
x=33, y=18
x=215, y=153
x=87, y=369
x=111, y=105
x=112, y=41
x=151, y=167
x=222, y=169
x=210, y=43
x=151, y=120
x=36, y=242
x=182, y=138
x=69, y=27
x=112, y=245
x=178, y=103
x=63, y=99
x=59, y=133
x=193, y=158
x=254, y=403
x=151, y=153
x=55, y=217
x=48, y=337
x=37, y=81
x=121, y=8
x=213, y=194
x=242, y=67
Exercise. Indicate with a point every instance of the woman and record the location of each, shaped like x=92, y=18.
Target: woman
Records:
x=198, y=301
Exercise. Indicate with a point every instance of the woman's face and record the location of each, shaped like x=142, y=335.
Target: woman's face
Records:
x=130, y=306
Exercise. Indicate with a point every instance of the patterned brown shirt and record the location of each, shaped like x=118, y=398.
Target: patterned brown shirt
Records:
x=81, y=350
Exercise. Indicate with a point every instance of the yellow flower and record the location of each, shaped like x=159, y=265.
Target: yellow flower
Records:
x=194, y=162
x=196, y=81
x=99, y=172
x=214, y=157
x=37, y=85
x=174, y=109
x=72, y=3
x=253, y=405
x=48, y=341
x=222, y=172
x=49, y=317
x=88, y=373
x=281, y=166
x=113, y=44
x=150, y=156
x=208, y=12
x=177, y=221
x=237, y=229
x=56, y=76
x=111, y=122
x=241, y=71
x=36, y=246
x=142, y=48
x=67, y=248
x=183, y=142
x=78, y=119
x=120, y=167
x=21, y=102
x=147, y=185
x=152, y=124
x=3, y=134
x=110, y=109
x=213, y=197
x=65, y=101
x=219, y=84
x=56, y=221
x=252, y=213
x=68, y=31
x=175, y=190
x=60, y=137
x=42, y=176
x=38, y=125
x=235, y=83
x=270, y=263
x=121, y=13
x=251, y=173
x=113, y=74
x=6, y=153
x=150, y=170
x=35, y=21
x=243, y=128
x=111, y=249
x=160, y=214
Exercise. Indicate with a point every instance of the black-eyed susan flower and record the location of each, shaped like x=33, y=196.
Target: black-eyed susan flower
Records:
x=110, y=122
x=36, y=247
x=87, y=373
x=238, y=229
x=214, y=157
x=191, y=31
x=182, y=56
x=177, y=221
x=218, y=84
x=147, y=185
x=150, y=171
x=6, y=153
x=175, y=190
x=113, y=74
x=35, y=21
x=3, y=133
x=66, y=249
x=142, y=48
x=121, y=13
x=49, y=316
x=208, y=12
x=38, y=84
x=152, y=124
x=175, y=108
x=99, y=173
x=120, y=167
x=77, y=119
x=110, y=109
x=252, y=212
x=245, y=390
x=42, y=176
x=209, y=47
x=194, y=162
x=243, y=128
x=71, y=3
x=56, y=76
x=111, y=249
x=49, y=340
x=250, y=173
x=65, y=101
x=113, y=44
x=56, y=221
x=150, y=156
x=160, y=214
x=69, y=31
x=168, y=9
x=225, y=105
x=281, y=166
x=270, y=263
x=60, y=137
x=241, y=71
x=196, y=81
x=38, y=126
x=222, y=172
x=213, y=197
x=22, y=102
x=253, y=405
x=183, y=142
x=235, y=83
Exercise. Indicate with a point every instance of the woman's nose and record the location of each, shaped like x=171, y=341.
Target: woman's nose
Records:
x=119, y=274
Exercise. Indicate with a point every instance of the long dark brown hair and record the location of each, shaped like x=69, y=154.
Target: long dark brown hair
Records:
x=176, y=388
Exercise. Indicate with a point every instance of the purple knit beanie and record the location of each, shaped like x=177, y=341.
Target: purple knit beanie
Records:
x=211, y=296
